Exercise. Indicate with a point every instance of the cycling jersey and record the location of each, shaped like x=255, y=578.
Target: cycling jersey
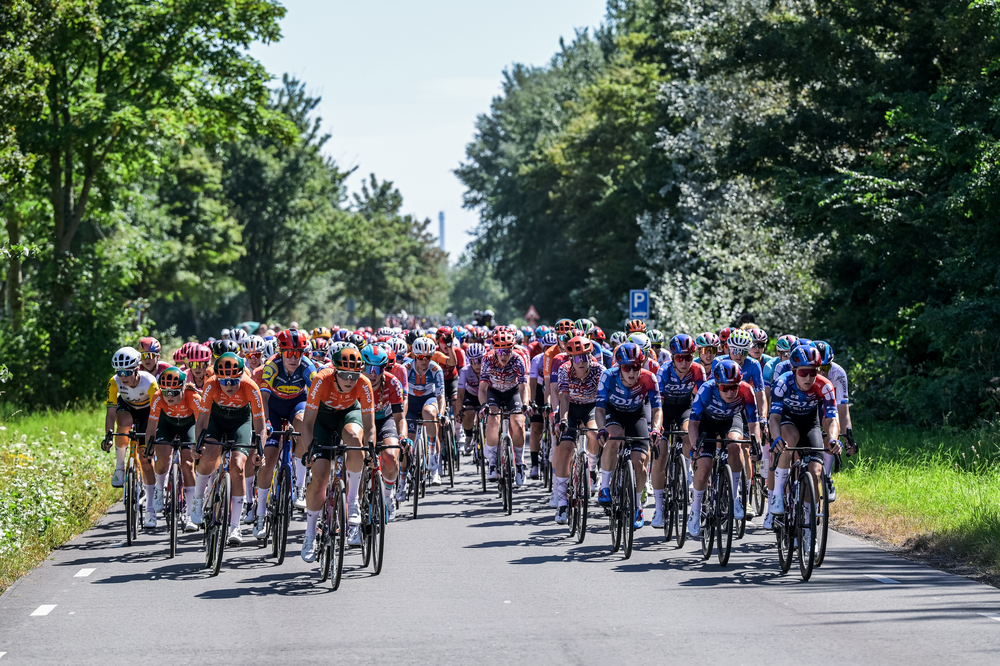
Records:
x=788, y=398
x=469, y=380
x=547, y=357
x=582, y=391
x=324, y=391
x=652, y=366
x=611, y=391
x=189, y=406
x=138, y=397
x=752, y=373
x=779, y=369
x=839, y=379
x=160, y=367
x=430, y=382
x=389, y=397
x=535, y=368
x=607, y=358
x=247, y=394
x=280, y=384
x=504, y=377
x=399, y=371
x=673, y=388
x=450, y=371
x=663, y=357
x=709, y=402
x=768, y=369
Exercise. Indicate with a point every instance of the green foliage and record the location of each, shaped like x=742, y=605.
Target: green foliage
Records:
x=475, y=287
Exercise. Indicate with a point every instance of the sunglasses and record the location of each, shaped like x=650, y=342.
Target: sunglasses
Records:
x=580, y=358
x=229, y=381
x=806, y=372
x=199, y=365
x=710, y=350
x=503, y=352
x=683, y=358
x=729, y=388
x=631, y=367
x=758, y=345
x=824, y=368
x=170, y=393
x=148, y=355
x=348, y=375
x=422, y=358
x=737, y=352
x=252, y=355
x=291, y=353
x=373, y=369
x=126, y=373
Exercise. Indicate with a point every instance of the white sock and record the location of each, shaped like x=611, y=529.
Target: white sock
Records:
x=696, y=504
x=149, y=495
x=491, y=455
x=658, y=498
x=519, y=456
x=605, y=479
x=262, y=501
x=200, y=483
x=120, y=457
x=687, y=466
x=237, y=512
x=161, y=479
x=737, y=476
x=593, y=462
x=188, y=495
x=311, y=517
x=390, y=489
x=559, y=490
x=780, y=477
x=828, y=459
x=638, y=500
x=249, y=485
x=300, y=472
x=353, y=482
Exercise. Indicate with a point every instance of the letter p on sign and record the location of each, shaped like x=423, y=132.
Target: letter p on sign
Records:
x=639, y=304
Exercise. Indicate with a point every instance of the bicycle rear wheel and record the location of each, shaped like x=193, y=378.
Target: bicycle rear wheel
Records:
x=452, y=455
x=131, y=502
x=724, y=515
x=785, y=532
x=284, y=512
x=628, y=509
x=680, y=491
x=744, y=491
x=221, y=508
x=325, y=531
x=171, y=512
x=508, y=476
x=339, y=536
x=571, y=494
x=805, y=530
x=822, y=521
x=758, y=491
x=614, y=513
x=378, y=525
x=415, y=477
x=708, y=521
x=366, y=518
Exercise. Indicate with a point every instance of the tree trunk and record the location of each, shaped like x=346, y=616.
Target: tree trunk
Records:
x=14, y=300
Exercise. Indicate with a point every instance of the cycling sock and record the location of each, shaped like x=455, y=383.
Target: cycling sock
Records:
x=828, y=463
x=200, y=483
x=519, y=456
x=468, y=434
x=300, y=473
x=605, y=479
x=149, y=496
x=594, y=463
x=737, y=477
x=262, y=501
x=311, y=517
x=188, y=495
x=161, y=479
x=638, y=500
x=491, y=455
x=696, y=504
x=120, y=457
x=237, y=513
x=535, y=455
x=353, y=483
x=780, y=477
x=390, y=489
x=249, y=484
x=687, y=466
x=559, y=489
x=658, y=498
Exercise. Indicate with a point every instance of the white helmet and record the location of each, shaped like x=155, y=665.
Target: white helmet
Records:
x=399, y=346
x=270, y=347
x=384, y=331
x=238, y=335
x=740, y=340
x=336, y=347
x=253, y=344
x=225, y=334
x=642, y=340
x=423, y=347
x=126, y=358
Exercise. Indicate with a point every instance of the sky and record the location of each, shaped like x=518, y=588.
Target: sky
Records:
x=402, y=83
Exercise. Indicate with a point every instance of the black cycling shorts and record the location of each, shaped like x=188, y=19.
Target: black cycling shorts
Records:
x=809, y=427
x=451, y=389
x=713, y=429
x=538, y=417
x=509, y=399
x=578, y=415
x=385, y=429
x=169, y=427
x=140, y=415
x=675, y=416
x=633, y=423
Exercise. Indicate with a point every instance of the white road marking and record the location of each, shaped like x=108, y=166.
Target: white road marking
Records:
x=506, y=602
x=992, y=616
x=83, y=573
x=883, y=579
x=2, y=654
x=44, y=609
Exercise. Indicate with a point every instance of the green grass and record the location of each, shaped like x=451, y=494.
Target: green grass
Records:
x=936, y=491
x=54, y=483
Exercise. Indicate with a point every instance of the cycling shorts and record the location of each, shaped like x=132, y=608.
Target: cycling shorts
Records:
x=279, y=408
x=450, y=389
x=713, y=429
x=234, y=422
x=415, y=408
x=169, y=427
x=578, y=415
x=538, y=417
x=329, y=426
x=471, y=402
x=675, y=416
x=385, y=429
x=140, y=415
x=509, y=399
x=633, y=423
x=809, y=427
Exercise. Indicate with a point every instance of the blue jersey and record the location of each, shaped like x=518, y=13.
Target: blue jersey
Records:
x=674, y=388
x=431, y=382
x=780, y=368
x=708, y=402
x=607, y=358
x=611, y=392
x=769, y=369
x=284, y=386
x=752, y=374
x=788, y=398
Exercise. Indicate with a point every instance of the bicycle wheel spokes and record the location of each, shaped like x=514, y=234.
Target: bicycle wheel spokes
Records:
x=378, y=526
x=221, y=509
x=339, y=536
x=582, y=497
x=628, y=508
x=366, y=520
x=283, y=514
x=708, y=522
x=785, y=533
x=806, y=524
x=171, y=513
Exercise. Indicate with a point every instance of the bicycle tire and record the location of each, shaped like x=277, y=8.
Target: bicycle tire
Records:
x=129, y=503
x=378, y=526
x=449, y=442
x=785, y=532
x=681, y=495
x=283, y=517
x=823, y=521
x=669, y=503
x=724, y=515
x=628, y=509
x=707, y=519
x=174, y=499
x=508, y=475
x=806, y=521
x=415, y=475
x=741, y=524
x=424, y=457
x=759, y=491
x=613, y=513
x=222, y=508
x=583, y=496
x=365, y=502
x=571, y=494
x=339, y=537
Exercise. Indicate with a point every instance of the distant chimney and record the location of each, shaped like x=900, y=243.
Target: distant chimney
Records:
x=441, y=229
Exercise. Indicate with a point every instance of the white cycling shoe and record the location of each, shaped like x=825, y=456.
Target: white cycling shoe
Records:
x=150, y=520
x=197, y=511
x=260, y=527
x=300, y=497
x=187, y=524
x=738, y=512
x=235, y=536
x=694, y=525
x=118, y=478
x=309, y=549
x=657, y=521
x=353, y=535
x=562, y=515
x=158, y=499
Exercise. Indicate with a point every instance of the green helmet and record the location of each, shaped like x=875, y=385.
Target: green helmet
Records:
x=584, y=325
x=656, y=336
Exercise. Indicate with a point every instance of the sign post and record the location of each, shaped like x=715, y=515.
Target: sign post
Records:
x=531, y=316
x=638, y=304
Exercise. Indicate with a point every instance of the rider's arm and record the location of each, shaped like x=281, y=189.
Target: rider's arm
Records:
x=600, y=416
x=564, y=405
x=693, y=426
x=112, y=404
x=656, y=418
x=308, y=421
x=200, y=425
x=844, y=412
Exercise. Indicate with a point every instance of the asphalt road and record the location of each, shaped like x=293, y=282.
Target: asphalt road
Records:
x=466, y=584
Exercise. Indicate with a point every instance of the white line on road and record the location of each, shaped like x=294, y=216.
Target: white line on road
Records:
x=2, y=654
x=992, y=616
x=883, y=579
x=44, y=609
x=83, y=573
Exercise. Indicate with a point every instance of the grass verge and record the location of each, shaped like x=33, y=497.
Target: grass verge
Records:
x=935, y=493
x=54, y=483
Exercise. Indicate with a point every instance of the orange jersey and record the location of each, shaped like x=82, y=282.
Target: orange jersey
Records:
x=324, y=390
x=547, y=359
x=258, y=376
x=248, y=394
x=189, y=406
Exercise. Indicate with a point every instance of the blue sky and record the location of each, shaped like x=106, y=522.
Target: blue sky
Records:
x=402, y=82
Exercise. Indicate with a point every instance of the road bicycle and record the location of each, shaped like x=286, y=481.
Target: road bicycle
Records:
x=578, y=488
x=331, y=524
x=675, y=493
x=505, y=462
x=448, y=447
x=478, y=442
x=174, y=502
x=545, y=447
x=133, y=490
x=281, y=496
x=717, y=505
x=795, y=530
x=621, y=513
x=418, y=472
x=372, y=505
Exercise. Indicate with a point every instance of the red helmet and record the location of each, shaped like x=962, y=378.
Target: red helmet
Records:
x=446, y=330
x=597, y=333
x=579, y=345
x=724, y=333
x=149, y=345
x=503, y=339
x=293, y=339
x=636, y=326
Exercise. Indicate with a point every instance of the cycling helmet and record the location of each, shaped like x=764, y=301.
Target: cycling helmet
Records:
x=564, y=326
x=225, y=334
x=786, y=342
x=321, y=332
x=759, y=336
x=238, y=335
x=724, y=334
x=707, y=340
x=502, y=339
x=579, y=345
x=541, y=330
x=636, y=326
x=629, y=353
x=825, y=351
x=199, y=354
x=598, y=334
x=549, y=339
x=375, y=355
x=171, y=378
x=348, y=359
x=584, y=325
x=656, y=337
x=618, y=338
x=806, y=356
x=149, y=345
x=518, y=337
x=399, y=346
x=445, y=330
x=358, y=340
x=178, y=356
x=802, y=342
x=292, y=339
x=336, y=347
x=340, y=335
x=384, y=331
x=740, y=340
x=642, y=340
x=682, y=344
x=229, y=365
x=318, y=347
x=727, y=372
x=475, y=352
x=126, y=358
x=254, y=344
x=487, y=312
x=423, y=346
x=527, y=332
x=412, y=336
x=220, y=347
x=270, y=347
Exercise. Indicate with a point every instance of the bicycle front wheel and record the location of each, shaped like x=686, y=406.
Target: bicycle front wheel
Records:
x=708, y=521
x=743, y=490
x=339, y=537
x=724, y=514
x=582, y=496
x=378, y=525
x=283, y=515
x=174, y=498
x=131, y=502
x=508, y=476
x=784, y=529
x=822, y=520
x=628, y=509
x=416, y=475
x=221, y=508
x=806, y=524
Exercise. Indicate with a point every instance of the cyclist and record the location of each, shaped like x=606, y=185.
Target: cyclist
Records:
x=838, y=377
x=679, y=380
x=635, y=326
x=759, y=345
x=425, y=395
x=149, y=349
x=642, y=341
x=503, y=384
x=656, y=339
x=285, y=383
x=707, y=345
x=621, y=397
x=618, y=338
x=340, y=404
x=319, y=349
x=577, y=381
x=130, y=393
x=717, y=412
x=173, y=413
x=724, y=340
x=468, y=390
x=231, y=407
x=536, y=389
x=199, y=359
x=804, y=408
x=390, y=426
x=451, y=357
x=783, y=349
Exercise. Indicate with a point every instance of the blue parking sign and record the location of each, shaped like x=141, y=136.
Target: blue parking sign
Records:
x=639, y=304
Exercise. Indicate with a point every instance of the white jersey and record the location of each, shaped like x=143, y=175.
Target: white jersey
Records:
x=839, y=379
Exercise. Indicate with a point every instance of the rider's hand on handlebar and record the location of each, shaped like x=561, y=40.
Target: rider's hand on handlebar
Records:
x=835, y=447
x=778, y=444
x=602, y=435
x=107, y=441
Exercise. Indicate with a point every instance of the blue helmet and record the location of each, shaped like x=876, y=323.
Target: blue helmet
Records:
x=825, y=351
x=375, y=355
x=629, y=353
x=682, y=344
x=806, y=356
x=727, y=372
